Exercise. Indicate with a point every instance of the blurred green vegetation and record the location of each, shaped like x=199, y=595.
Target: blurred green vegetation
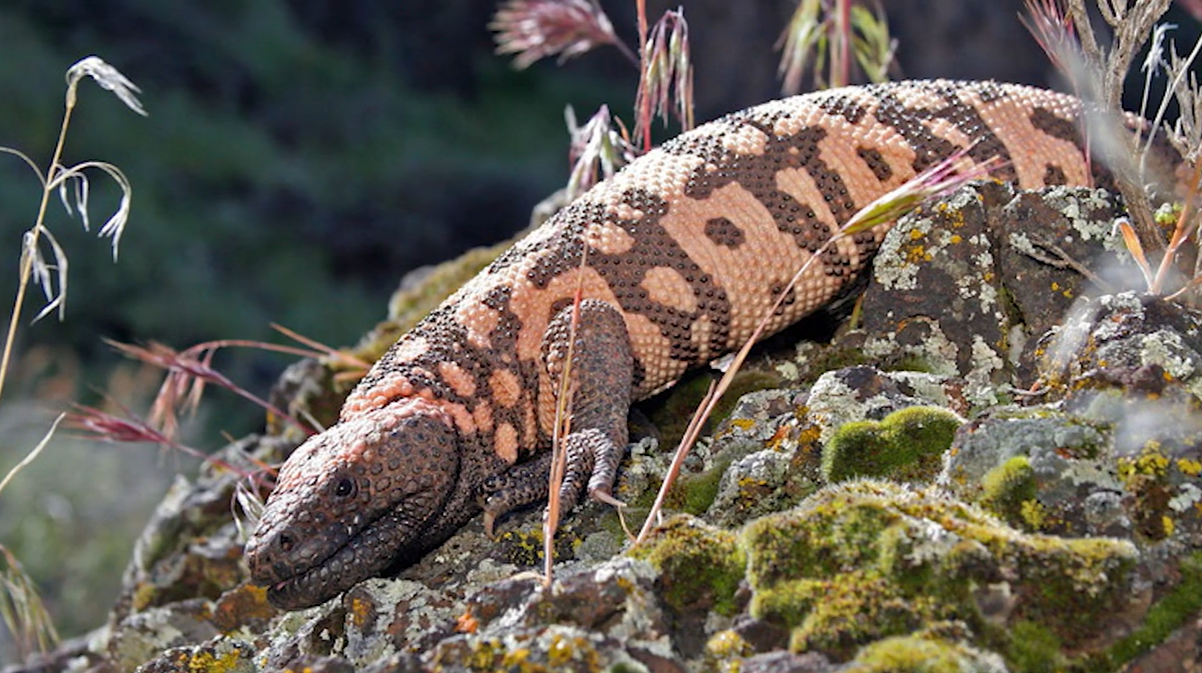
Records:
x=286, y=172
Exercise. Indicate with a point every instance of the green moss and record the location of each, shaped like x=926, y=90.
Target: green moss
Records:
x=1008, y=488
x=694, y=493
x=909, y=362
x=670, y=413
x=913, y=654
x=1070, y=586
x=859, y=607
x=1164, y=617
x=865, y=560
x=701, y=566
x=907, y=445
x=1033, y=648
x=829, y=359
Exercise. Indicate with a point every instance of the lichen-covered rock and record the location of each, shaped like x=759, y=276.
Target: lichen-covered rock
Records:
x=962, y=330
x=140, y=636
x=1123, y=333
x=778, y=450
x=870, y=559
x=866, y=393
x=219, y=655
x=552, y=648
x=1038, y=468
x=962, y=286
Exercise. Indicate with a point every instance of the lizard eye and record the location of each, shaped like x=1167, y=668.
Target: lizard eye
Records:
x=345, y=488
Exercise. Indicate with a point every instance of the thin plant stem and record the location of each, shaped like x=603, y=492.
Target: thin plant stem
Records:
x=32, y=455
x=841, y=70
x=562, y=428
x=1180, y=234
x=27, y=260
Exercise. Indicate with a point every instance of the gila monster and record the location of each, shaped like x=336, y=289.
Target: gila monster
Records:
x=678, y=256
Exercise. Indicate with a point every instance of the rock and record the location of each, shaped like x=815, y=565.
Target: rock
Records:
x=1072, y=470
x=218, y=654
x=1124, y=332
x=775, y=461
x=962, y=286
x=1061, y=532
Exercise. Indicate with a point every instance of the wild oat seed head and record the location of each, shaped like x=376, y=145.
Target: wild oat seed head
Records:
x=534, y=29
x=108, y=78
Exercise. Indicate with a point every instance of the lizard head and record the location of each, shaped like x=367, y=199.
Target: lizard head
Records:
x=350, y=500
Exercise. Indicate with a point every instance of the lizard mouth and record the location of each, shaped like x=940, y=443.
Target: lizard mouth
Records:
x=366, y=553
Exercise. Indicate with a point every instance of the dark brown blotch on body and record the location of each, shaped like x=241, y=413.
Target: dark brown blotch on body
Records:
x=723, y=232
x=1057, y=127
x=876, y=163
x=1054, y=175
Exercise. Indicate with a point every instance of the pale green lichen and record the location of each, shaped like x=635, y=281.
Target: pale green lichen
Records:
x=919, y=654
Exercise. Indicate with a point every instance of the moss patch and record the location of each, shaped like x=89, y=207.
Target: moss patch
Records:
x=1009, y=492
x=694, y=493
x=1166, y=616
x=906, y=445
x=670, y=412
x=918, y=654
x=867, y=560
x=701, y=565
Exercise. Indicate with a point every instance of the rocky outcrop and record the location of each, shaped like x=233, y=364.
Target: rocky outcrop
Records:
x=996, y=469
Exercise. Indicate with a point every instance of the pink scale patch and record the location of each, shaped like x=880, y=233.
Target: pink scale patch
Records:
x=459, y=380
x=505, y=443
x=388, y=389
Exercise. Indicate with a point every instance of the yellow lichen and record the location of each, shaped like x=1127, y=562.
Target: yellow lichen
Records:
x=1034, y=514
x=361, y=610
x=1189, y=467
x=209, y=662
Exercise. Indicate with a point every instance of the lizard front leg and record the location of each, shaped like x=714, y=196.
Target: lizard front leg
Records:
x=600, y=383
x=599, y=387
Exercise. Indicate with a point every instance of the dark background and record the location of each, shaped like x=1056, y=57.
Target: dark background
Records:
x=300, y=156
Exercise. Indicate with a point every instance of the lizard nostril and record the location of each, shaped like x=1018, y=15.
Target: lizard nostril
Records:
x=285, y=542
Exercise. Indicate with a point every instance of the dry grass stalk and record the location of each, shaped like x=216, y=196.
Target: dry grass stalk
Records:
x=598, y=150
x=666, y=78
x=840, y=32
x=536, y=29
x=561, y=429
x=190, y=370
x=34, y=267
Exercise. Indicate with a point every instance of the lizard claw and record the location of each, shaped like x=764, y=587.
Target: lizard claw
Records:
x=606, y=497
